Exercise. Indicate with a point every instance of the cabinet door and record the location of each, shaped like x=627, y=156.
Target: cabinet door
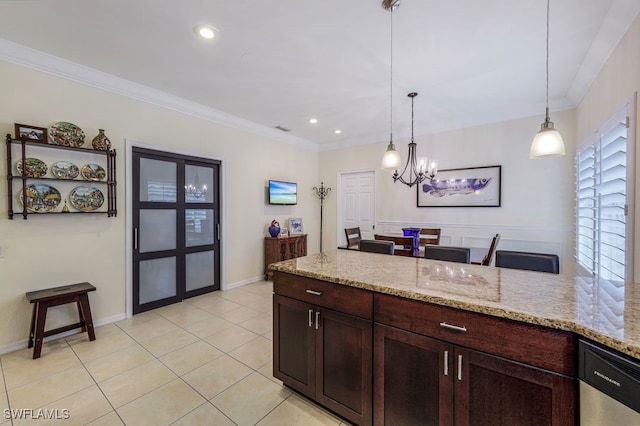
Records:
x=413, y=378
x=491, y=391
x=344, y=364
x=294, y=344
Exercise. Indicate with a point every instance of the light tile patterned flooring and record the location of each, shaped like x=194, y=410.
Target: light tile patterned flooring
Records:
x=205, y=361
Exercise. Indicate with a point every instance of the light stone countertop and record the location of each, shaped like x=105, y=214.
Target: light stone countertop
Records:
x=606, y=312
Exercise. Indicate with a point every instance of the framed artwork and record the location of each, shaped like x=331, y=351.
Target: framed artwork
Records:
x=295, y=226
x=470, y=187
x=25, y=132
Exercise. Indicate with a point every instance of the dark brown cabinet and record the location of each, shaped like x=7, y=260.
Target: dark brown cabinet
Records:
x=323, y=346
x=422, y=380
x=283, y=248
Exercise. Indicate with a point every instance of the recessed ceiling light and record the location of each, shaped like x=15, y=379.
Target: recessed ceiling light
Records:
x=205, y=31
x=313, y=120
x=337, y=132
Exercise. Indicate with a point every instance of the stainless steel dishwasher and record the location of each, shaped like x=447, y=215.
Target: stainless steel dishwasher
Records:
x=609, y=386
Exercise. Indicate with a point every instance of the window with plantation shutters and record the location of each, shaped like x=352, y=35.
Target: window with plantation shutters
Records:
x=602, y=186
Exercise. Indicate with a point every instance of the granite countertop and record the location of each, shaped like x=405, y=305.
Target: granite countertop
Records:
x=606, y=312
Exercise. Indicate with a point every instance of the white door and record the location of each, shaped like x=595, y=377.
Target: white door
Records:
x=357, y=203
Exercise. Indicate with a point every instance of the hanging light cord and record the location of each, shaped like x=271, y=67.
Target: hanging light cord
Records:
x=391, y=82
x=547, y=102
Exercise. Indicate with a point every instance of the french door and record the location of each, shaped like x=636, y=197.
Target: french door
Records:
x=176, y=222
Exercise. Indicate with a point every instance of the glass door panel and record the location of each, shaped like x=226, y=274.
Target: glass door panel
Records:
x=157, y=230
x=200, y=270
x=158, y=180
x=198, y=229
x=198, y=184
x=157, y=279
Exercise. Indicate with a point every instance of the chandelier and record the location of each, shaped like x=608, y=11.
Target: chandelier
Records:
x=196, y=190
x=419, y=168
x=548, y=141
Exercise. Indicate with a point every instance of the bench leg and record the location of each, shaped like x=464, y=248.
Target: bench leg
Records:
x=84, y=325
x=41, y=316
x=32, y=328
x=86, y=314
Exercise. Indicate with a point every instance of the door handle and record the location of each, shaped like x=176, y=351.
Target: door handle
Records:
x=460, y=367
x=218, y=231
x=446, y=363
x=310, y=317
x=135, y=238
x=317, y=319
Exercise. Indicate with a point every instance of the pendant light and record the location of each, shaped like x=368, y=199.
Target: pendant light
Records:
x=419, y=169
x=391, y=158
x=548, y=141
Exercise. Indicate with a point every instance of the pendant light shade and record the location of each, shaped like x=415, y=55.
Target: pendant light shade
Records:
x=391, y=159
x=547, y=142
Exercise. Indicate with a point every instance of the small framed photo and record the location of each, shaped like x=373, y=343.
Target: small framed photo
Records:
x=295, y=226
x=283, y=233
x=25, y=132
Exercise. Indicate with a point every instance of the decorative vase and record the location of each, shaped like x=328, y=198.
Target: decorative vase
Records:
x=101, y=142
x=274, y=229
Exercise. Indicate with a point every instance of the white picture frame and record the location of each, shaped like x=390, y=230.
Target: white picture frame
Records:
x=295, y=226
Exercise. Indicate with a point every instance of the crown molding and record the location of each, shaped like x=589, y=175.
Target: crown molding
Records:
x=49, y=64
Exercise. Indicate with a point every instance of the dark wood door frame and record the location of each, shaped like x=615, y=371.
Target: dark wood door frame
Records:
x=180, y=206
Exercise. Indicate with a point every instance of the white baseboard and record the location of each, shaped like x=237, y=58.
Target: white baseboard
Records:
x=237, y=284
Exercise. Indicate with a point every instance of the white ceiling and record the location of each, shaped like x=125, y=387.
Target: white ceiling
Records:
x=281, y=63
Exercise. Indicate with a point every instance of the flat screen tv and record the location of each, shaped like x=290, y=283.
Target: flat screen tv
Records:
x=283, y=193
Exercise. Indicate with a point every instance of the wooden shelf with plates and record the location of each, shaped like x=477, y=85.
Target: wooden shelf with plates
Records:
x=32, y=173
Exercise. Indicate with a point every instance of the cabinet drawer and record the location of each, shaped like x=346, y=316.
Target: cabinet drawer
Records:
x=535, y=345
x=350, y=300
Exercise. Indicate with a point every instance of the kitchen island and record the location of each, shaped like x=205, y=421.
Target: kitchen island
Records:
x=389, y=339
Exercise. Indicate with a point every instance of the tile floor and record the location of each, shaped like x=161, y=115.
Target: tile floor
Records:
x=205, y=361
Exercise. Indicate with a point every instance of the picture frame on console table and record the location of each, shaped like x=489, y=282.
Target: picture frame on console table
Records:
x=465, y=187
x=295, y=226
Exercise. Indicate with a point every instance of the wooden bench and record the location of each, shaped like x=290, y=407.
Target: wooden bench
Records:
x=43, y=299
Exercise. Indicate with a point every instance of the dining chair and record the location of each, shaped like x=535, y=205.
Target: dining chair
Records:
x=429, y=236
x=353, y=236
x=541, y=262
x=486, y=261
x=403, y=245
x=376, y=246
x=448, y=254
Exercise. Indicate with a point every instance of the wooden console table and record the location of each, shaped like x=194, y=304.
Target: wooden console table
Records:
x=283, y=248
x=43, y=299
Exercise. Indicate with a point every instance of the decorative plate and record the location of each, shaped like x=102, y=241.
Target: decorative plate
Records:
x=65, y=170
x=93, y=172
x=66, y=134
x=86, y=198
x=35, y=168
x=41, y=198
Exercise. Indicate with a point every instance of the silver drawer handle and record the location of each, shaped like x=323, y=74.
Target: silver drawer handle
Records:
x=453, y=327
x=315, y=293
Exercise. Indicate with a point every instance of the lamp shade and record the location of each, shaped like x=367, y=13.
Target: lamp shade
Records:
x=391, y=159
x=547, y=143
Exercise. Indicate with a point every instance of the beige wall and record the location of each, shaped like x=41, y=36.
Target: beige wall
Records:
x=614, y=86
x=46, y=251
